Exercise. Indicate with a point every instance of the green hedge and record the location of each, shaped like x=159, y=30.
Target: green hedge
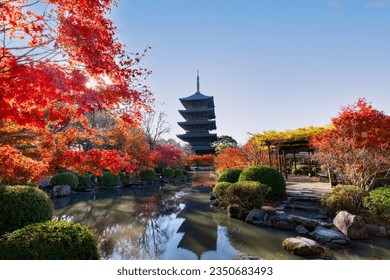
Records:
x=230, y=175
x=69, y=179
x=344, y=198
x=109, y=179
x=21, y=206
x=169, y=172
x=268, y=176
x=378, y=201
x=246, y=195
x=148, y=175
x=50, y=240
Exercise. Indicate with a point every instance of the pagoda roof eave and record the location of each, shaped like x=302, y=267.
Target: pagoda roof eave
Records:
x=203, y=148
x=188, y=113
x=197, y=97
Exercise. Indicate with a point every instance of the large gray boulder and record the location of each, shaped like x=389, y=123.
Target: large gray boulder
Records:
x=61, y=190
x=282, y=221
x=261, y=217
x=351, y=225
x=302, y=246
x=331, y=237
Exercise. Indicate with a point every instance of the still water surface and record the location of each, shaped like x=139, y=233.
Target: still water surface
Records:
x=178, y=222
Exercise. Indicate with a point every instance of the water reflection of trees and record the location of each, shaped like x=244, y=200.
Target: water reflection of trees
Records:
x=128, y=227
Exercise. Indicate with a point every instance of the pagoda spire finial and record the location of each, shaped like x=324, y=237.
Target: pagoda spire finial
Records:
x=197, y=81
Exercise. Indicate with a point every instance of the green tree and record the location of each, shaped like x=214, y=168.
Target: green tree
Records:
x=223, y=142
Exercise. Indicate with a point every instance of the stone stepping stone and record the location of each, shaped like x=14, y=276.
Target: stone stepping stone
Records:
x=331, y=237
x=303, y=199
x=305, y=208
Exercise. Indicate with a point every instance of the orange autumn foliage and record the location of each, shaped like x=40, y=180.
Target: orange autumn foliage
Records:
x=200, y=160
x=357, y=147
x=249, y=154
x=60, y=60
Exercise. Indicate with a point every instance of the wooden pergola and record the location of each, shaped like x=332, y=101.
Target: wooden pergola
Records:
x=284, y=147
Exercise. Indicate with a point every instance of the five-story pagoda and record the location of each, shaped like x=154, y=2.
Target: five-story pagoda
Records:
x=200, y=119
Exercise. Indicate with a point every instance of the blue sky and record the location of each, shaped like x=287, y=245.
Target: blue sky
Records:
x=270, y=64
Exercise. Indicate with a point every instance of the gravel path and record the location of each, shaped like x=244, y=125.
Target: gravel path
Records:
x=308, y=184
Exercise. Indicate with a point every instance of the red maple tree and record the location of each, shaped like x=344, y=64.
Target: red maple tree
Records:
x=168, y=155
x=60, y=60
x=357, y=148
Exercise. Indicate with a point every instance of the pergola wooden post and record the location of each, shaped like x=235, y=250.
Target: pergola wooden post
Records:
x=269, y=154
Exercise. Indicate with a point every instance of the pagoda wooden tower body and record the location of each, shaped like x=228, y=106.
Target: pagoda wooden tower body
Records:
x=199, y=115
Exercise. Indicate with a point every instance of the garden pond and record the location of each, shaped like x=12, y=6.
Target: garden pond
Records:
x=171, y=222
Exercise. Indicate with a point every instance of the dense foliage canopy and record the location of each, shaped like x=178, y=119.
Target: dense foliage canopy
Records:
x=60, y=65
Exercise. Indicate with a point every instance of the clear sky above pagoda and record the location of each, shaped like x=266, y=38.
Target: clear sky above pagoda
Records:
x=270, y=64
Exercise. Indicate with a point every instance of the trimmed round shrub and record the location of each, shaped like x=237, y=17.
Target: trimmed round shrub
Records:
x=51, y=240
x=148, y=175
x=109, y=179
x=378, y=201
x=21, y=206
x=220, y=188
x=84, y=180
x=61, y=170
x=179, y=174
x=169, y=172
x=268, y=176
x=69, y=179
x=344, y=198
x=230, y=175
x=246, y=195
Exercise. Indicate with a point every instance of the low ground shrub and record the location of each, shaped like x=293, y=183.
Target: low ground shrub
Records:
x=268, y=176
x=345, y=197
x=378, y=201
x=169, y=172
x=246, y=195
x=148, y=175
x=230, y=175
x=51, y=240
x=69, y=179
x=109, y=179
x=21, y=206
x=301, y=169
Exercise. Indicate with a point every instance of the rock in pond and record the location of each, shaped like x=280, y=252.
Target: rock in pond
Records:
x=302, y=246
x=301, y=230
x=351, y=225
x=261, y=217
x=61, y=190
x=331, y=237
x=246, y=257
x=282, y=221
x=310, y=224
